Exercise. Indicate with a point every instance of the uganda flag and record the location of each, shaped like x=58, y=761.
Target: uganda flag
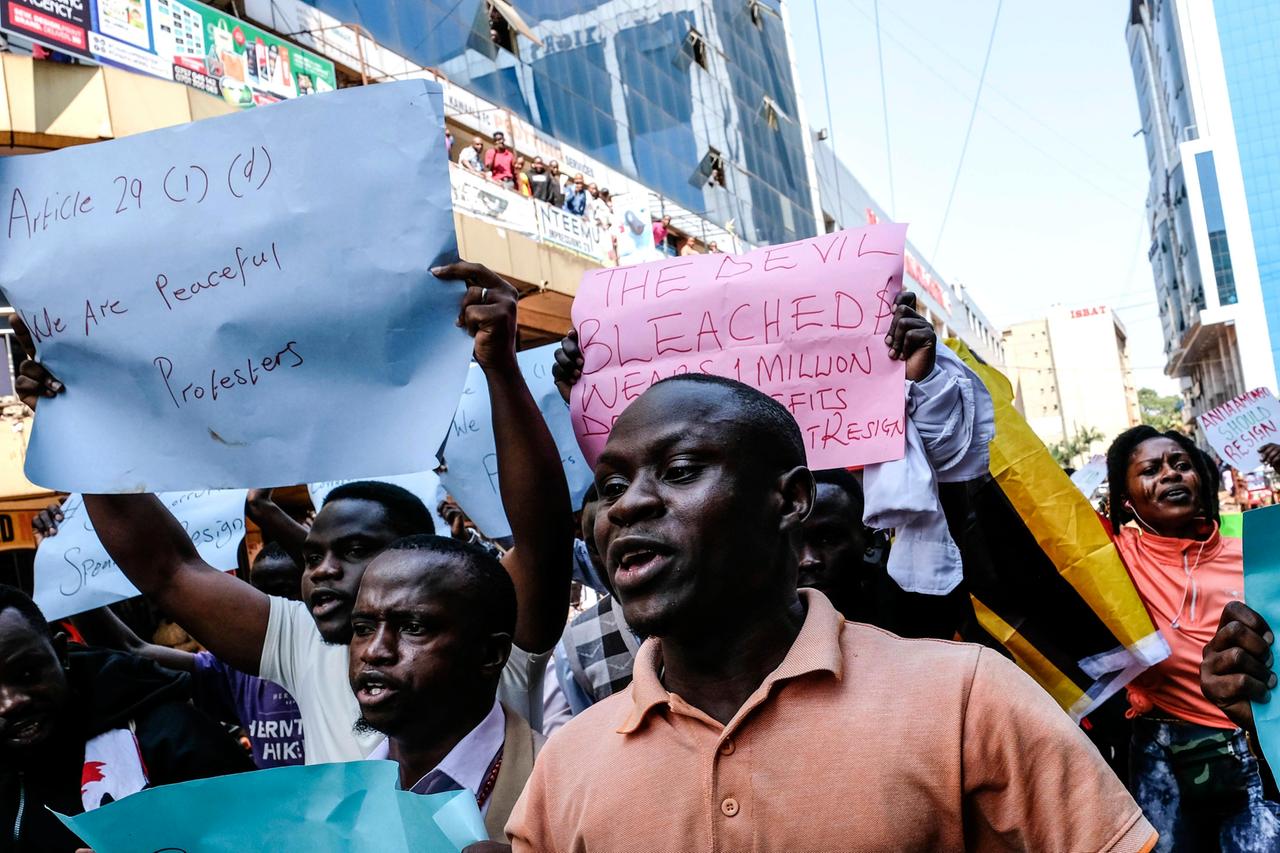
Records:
x=1045, y=579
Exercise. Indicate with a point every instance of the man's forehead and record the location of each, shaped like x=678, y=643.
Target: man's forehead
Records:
x=17, y=634
x=409, y=577
x=682, y=406
x=345, y=516
x=833, y=501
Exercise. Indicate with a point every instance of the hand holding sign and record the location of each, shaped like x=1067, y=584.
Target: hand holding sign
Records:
x=804, y=322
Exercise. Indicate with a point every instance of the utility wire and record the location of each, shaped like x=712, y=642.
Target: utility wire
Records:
x=831, y=131
x=884, y=108
x=946, y=213
x=991, y=88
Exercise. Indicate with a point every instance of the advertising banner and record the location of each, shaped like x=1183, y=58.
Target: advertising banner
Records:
x=573, y=233
x=480, y=197
x=179, y=40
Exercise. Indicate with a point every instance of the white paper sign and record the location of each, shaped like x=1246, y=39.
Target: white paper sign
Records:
x=1091, y=476
x=74, y=572
x=472, y=454
x=1238, y=427
x=183, y=284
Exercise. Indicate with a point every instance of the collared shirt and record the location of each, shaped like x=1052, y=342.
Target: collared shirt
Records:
x=470, y=760
x=858, y=740
x=296, y=657
x=1184, y=583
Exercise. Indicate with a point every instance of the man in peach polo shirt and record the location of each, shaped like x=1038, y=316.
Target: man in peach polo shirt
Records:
x=759, y=719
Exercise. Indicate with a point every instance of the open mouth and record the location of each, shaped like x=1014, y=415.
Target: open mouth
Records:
x=1176, y=494
x=25, y=731
x=325, y=601
x=373, y=688
x=639, y=561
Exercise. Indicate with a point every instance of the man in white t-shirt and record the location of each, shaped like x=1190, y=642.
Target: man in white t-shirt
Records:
x=302, y=645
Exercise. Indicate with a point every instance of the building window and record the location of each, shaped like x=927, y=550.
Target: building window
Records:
x=693, y=49
x=757, y=10
x=710, y=169
x=771, y=112
x=1219, y=250
x=500, y=29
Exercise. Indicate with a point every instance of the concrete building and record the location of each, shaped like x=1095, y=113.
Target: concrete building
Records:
x=1204, y=74
x=1070, y=372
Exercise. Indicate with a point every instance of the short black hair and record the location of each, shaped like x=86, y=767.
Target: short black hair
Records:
x=487, y=581
x=12, y=597
x=273, y=551
x=405, y=511
x=1118, y=471
x=769, y=420
x=842, y=479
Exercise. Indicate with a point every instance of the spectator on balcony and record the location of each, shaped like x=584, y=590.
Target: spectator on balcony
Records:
x=500, y=161
x=687, y=248
x=660, y=231
x=522, y=178
x=576, y=200
x=471, y=158
x=544, y=185
x=712, y=248
x=562, y=180
x=600, y=208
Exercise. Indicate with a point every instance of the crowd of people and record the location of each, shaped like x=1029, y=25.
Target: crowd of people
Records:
x=748, y=676
x=541, y=180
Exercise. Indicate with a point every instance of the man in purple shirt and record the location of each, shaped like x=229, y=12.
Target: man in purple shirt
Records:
x=267, y=712
x=264, y=709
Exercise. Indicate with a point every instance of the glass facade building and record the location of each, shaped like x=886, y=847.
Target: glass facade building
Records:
x=1219, y=246
x=1249, y=32
x=693, y=98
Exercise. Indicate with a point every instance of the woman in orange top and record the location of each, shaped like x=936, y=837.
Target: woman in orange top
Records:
x=1191, y=769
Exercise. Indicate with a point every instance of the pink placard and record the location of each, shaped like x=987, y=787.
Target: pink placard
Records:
x=804, y=322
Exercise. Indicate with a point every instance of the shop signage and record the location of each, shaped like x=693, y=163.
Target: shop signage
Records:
x=179, y=40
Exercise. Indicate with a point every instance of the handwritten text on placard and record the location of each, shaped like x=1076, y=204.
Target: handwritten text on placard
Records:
x=804, y=322
x=74, y=573
x=472, y=477
x=208, y=291
x=1239, y=427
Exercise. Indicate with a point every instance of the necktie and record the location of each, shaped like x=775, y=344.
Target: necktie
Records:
x=436, y=782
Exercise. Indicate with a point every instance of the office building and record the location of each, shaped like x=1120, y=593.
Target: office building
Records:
x=1204, y=74
x=1070, y=375
x=695, y=99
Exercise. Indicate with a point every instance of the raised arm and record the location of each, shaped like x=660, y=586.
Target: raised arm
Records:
x=531, y=480
x=103, y=628
x=226, y=615
x=276, y=524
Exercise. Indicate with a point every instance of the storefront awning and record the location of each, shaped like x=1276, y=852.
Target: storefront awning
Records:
x=46, y=105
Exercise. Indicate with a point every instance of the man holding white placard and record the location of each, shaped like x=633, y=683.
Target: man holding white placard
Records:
x=302, y=646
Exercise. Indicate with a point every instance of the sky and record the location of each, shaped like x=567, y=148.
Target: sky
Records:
x=1048, y=208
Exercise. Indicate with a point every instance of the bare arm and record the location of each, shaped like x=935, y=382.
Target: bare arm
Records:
x=226, y=615
x=277, y=525
x=531, y=480
x=104, y=628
